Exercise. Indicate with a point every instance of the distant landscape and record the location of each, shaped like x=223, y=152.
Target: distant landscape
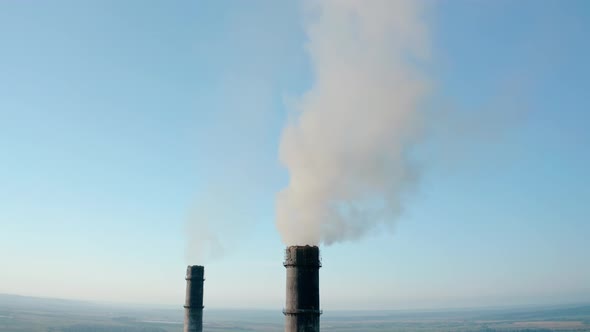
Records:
x=30, y=314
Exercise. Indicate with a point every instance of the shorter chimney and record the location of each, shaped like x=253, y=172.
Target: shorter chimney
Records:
x=193, y=306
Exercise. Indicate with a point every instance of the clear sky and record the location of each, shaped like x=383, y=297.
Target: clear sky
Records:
x=125, y=125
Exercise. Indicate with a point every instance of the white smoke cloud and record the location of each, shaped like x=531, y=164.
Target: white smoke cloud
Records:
x=347, y=148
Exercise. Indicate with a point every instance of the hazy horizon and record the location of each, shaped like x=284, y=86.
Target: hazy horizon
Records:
x=40, y=315
x=177, y=306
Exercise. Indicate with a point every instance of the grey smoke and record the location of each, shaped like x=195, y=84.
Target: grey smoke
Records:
x=347, y=147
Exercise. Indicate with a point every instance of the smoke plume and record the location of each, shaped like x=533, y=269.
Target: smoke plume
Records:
x=348, y=146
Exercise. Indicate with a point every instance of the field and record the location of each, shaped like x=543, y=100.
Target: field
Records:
x=27, y=314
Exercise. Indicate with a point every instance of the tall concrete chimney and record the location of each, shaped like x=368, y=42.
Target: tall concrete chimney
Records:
x=302, y=310
x=193, y=305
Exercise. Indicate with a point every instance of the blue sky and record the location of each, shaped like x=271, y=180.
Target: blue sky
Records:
x=121, y=123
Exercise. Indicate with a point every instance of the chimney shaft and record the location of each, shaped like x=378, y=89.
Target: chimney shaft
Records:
x=302, y=310
x=193, y=306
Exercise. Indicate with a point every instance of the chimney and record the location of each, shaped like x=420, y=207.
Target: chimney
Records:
x=302, y=309
x=193, y=306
